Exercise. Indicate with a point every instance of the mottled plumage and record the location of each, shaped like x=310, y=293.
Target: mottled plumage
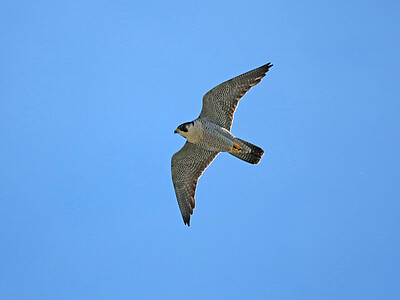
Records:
x=220, y=103
x=187, y=166
x=210, y=134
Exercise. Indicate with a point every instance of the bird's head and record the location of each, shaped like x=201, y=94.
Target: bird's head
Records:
x=184, y=129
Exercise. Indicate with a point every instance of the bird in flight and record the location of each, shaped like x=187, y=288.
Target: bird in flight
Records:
x=210, y=134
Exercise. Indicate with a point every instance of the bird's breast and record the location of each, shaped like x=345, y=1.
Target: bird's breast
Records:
x=215, y=140
x=194, y=135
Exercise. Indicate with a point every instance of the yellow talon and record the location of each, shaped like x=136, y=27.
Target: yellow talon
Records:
x=236, y=147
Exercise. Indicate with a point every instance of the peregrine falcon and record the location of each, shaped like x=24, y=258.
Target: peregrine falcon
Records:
x=210, y=134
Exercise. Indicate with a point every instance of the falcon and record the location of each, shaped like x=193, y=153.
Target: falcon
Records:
x=211, y=134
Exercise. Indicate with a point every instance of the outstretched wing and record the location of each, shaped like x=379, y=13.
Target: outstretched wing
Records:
x=187, y=165
x=220, y=103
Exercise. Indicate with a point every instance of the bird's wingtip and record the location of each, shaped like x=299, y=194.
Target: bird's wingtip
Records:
x=186, y=221
x=268, y=65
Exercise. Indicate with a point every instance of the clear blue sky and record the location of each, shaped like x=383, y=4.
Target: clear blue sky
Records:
x=91, y=92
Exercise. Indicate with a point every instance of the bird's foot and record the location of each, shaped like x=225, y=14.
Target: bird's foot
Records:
x=236, y=147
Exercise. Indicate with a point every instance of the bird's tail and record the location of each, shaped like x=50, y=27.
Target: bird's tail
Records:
x=246, y=151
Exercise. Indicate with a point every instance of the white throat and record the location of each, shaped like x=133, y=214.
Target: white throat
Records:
x=194, y=133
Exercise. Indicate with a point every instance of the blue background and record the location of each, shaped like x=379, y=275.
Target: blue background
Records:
x=91, y=92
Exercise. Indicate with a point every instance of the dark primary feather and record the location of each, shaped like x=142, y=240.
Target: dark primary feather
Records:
x=187, y=165
x=220, y=103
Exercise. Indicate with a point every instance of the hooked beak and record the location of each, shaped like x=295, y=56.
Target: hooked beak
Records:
x=176, y=131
